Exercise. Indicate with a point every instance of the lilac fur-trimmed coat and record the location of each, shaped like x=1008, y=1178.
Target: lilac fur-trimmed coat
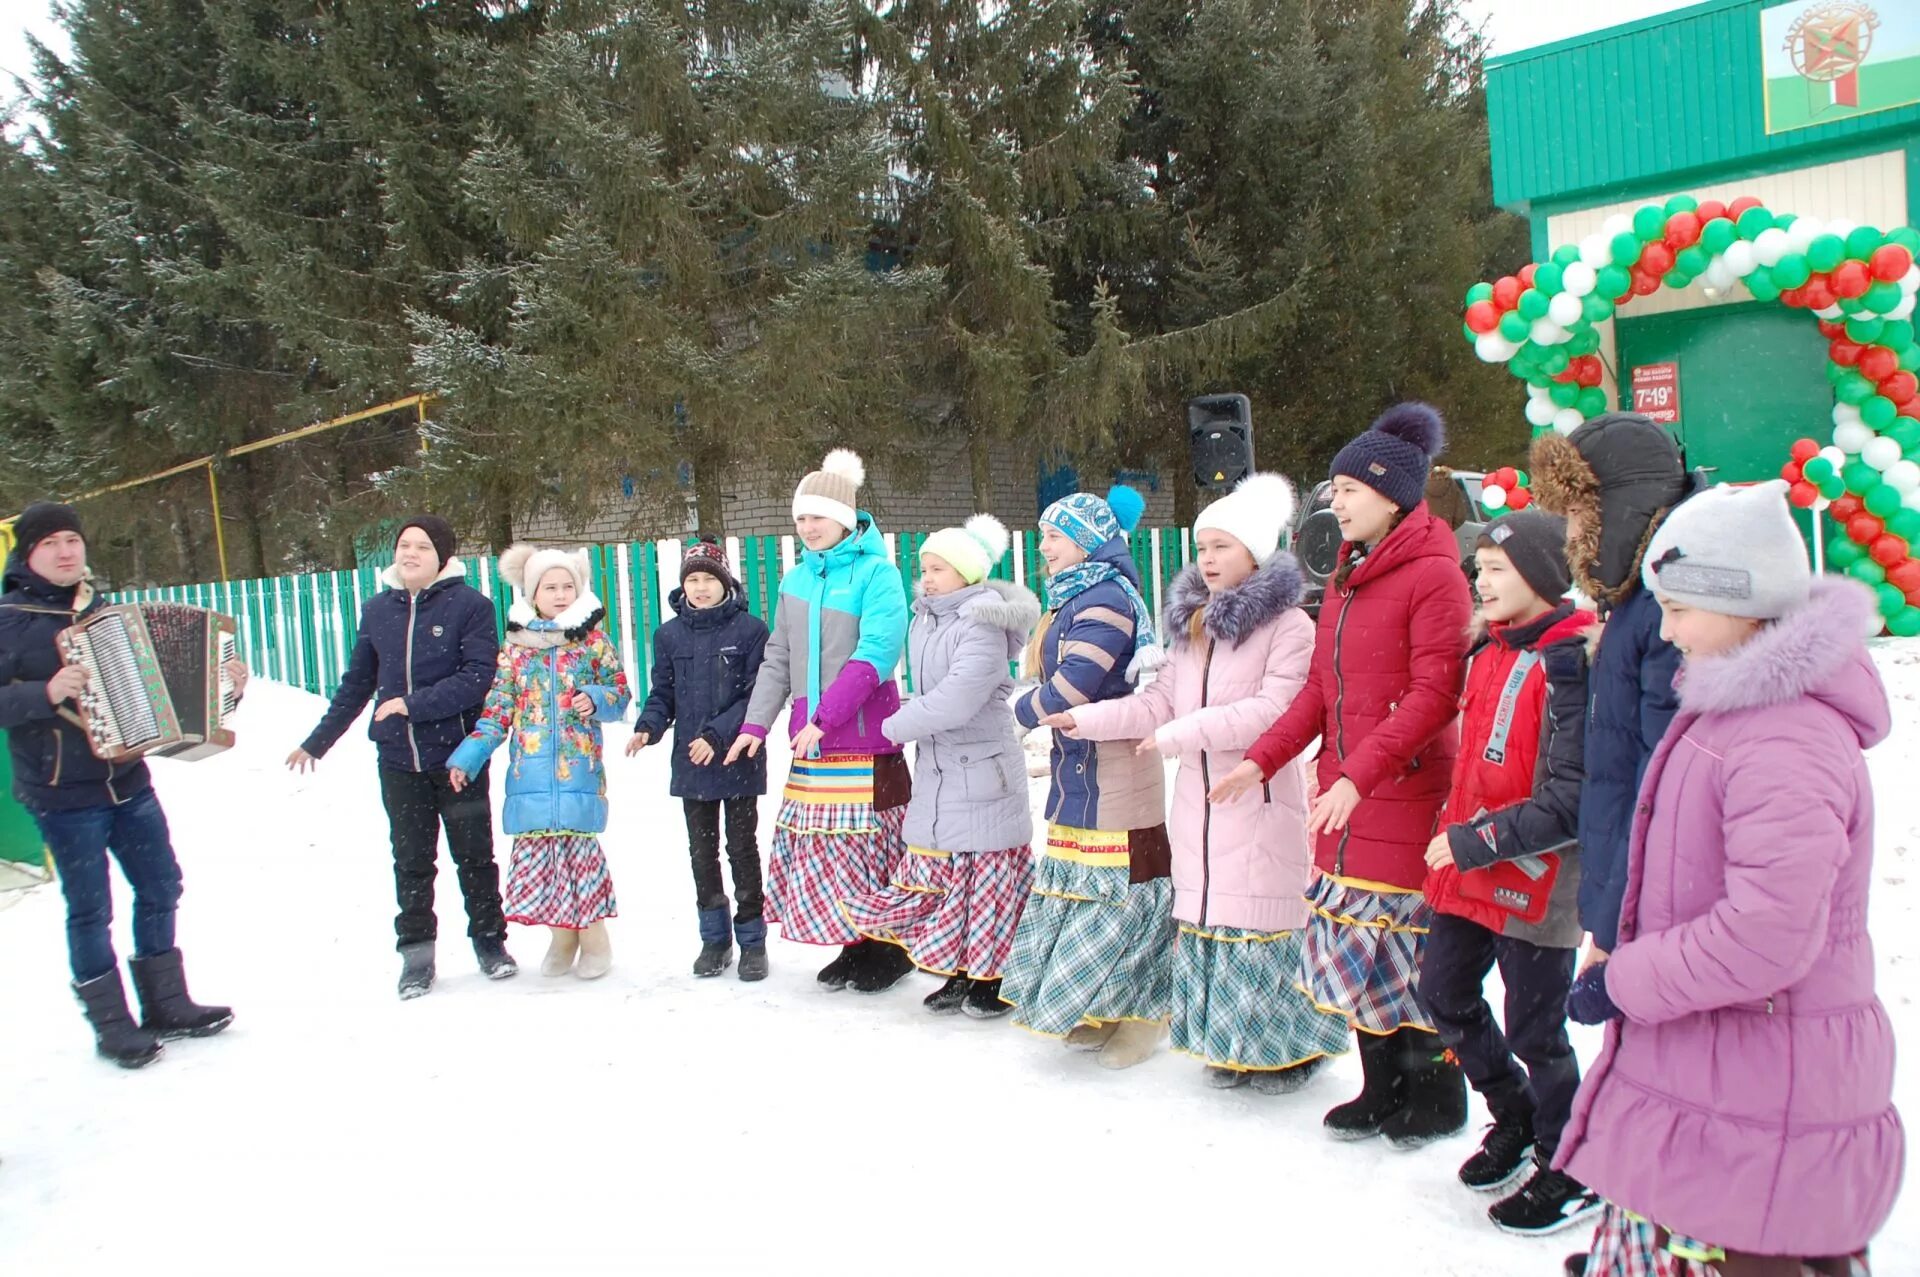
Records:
x=1746, y=1096
x=1243, y=863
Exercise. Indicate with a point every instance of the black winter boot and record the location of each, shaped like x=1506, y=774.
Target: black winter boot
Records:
x=834, y=974
x=416, y=969
x=946, y=999
x=713, y=959
x=166, y=1010
x=878, y=970
x=1381, y=1094
x=495, y=962
x=1288, y=1080
x=753, y=962
x=1576, y=1265
x=1503, y=1153
x=115, y=1036
x=1436, y=1094
x=983, y=1001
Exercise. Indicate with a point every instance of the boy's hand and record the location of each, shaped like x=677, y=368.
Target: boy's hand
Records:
x=301, y=761
x=456, y=778
x=1333, y=809
x=1237, y=782
x=742, y=744
x=581, y=704
x=700, y=751
x=67, y=684
x=398, y=705
x=638, y=742
x=809, y=738
x=1440, y=852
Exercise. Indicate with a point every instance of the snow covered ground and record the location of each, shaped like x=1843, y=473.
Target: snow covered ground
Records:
x=651, y=1122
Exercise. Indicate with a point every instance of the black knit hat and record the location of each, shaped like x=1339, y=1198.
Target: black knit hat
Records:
x=41, y=520
x=438, y=531
x=1536, y=544
x=1395, y=454
x=709, y=556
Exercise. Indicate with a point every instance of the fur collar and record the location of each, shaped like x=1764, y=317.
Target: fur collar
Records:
x=526, y=628
x=1001, y=604
x=450, y=570
x=1231, y=616
x=1807, y=652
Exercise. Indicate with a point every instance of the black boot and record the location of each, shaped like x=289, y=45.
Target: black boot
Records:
x=1503, y=1152
x=713, y=959
x=983, y=1001
x=166, y=1010
x=946, y=999
x=1549, y=1202
x=416, y=969
x=1288, y=1080
x=753, y=962
x=495, y=962
x=879, y=970
x=834, y=974
x=115, y=1036
x=1436, y=1103
x=1576, y=1265
x=1381, y=1094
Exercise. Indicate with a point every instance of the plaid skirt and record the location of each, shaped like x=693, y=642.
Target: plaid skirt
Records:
x=558, y=879
x=829, y=845
x=1237, y=1004
x=1090, y=946
x=953, y=912
x=1362, y=954
x=1625, y=1245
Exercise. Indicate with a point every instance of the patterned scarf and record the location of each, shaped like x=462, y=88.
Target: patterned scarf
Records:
x=1064, y=585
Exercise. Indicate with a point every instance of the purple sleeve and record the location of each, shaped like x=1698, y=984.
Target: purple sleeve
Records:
x=847, y=694
x=754, y=730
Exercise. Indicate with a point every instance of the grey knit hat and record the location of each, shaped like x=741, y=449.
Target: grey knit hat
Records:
x=1733, y=550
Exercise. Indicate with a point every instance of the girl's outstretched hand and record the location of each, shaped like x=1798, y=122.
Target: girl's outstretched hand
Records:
x=637, y=742
x=1333, y=809
x=743, y=744
x=1236, y=782
x=1062, y=722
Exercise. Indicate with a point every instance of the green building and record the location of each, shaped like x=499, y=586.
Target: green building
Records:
x=1811, y=106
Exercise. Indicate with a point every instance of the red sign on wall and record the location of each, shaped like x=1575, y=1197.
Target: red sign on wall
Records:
x=1656, y=392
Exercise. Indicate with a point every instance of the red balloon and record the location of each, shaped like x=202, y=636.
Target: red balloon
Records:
x=1567, y=377
x=1644, y=285
x=1591, y=370
x=1877, y=363
x=1890, y=262
x=1865, y=528
x=1805, y=450
x=1741, y=205
x=1843, y=351
x=1656, y=259
x=1793, y=471
x=1483, y=317
x=1526, y=273
x=1844, y=508
x=1913, y=597
x=1519, y=499
x=1831, y=329
x=1911, y=408
x=1901, y=388
x=1683, y=231
x=1818, y=293
x=1803, y=494
x=1795, y=297
x=1888, y=550
x=1850, y=279
x=1905, y=577
x=1709, y=210
x=1506, y=292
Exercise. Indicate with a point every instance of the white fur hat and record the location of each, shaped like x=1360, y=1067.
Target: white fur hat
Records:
x=1257, y=514
x=523, y=565
x=973, y=549
x=831, y=491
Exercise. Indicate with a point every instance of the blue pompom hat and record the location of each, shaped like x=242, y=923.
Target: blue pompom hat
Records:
x=1090, y=522
x=1396, y=454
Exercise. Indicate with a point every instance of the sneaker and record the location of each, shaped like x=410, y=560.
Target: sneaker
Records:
x=946, y=999
x=1502, y=1157
x=983, y=1001
x=1548, y=1202
x=1288, y=1080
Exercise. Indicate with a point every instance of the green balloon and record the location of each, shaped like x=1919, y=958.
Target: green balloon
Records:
x=1859, y=477
x=1555, y=359
x=1826, y=252
x=1625, y=248
x=1905, y=524
x=1682, y=204
x=1595, y=308
x=1881, y=500
x=1525, y=480
x=1906, y=624
x=1564, y=256
x=1785, y=221
x=1650, y=222
x=1564, y=394
x=1910, y=358
x=1897, y=335
x=1533, y=304
x=1865, y=330
x=1514, y=326
x=1549, y=279
x=1862, y=240
x=1584, y=342
x=1481, y=292
x=1833, y=489
x=1892, y=601
x=1853, y=306
x=1836, y=372
x=1817, y=470
x=1906, y=433
x=1854, y=388
x=1761, y=285
x=1882, y=297
x=1878, y=412
x=1717, y=234
x=1592, y=401
x=1906, y=237
x=1753, y=221
x=1843, y=550
x=1790, y=271
x=1693, y=259
x=1614, y=281
x=1680, y=279
x=1866, y=570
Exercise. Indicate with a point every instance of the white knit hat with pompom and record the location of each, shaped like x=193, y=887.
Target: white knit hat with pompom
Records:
x=973, y=549
x=1257, y=514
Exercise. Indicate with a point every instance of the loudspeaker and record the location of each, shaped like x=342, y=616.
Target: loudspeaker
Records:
x=1220, y=436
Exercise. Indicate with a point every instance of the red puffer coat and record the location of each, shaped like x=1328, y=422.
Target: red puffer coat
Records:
x=1388, y=665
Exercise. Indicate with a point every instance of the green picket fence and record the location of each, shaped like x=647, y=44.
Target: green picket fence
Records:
x=300, y=630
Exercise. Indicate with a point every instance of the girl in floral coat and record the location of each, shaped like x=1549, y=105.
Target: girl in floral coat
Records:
x=557, y=680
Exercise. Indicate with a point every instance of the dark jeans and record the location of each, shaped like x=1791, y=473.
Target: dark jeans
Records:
x=418, y=805
x=1454, y=965
x=743, y=855
x=136, y=833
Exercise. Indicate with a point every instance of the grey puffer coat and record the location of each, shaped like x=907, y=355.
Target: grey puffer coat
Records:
x=969, y=776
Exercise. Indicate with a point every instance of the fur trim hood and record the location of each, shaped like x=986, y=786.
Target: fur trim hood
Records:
x=450, y=570
x=1001, y=604
x=1619, y=475
x=1232, y=615
x=529, y=629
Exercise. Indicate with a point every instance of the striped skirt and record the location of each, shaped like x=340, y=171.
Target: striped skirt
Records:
x=1091, y=946
x=953, y=912
x=829, y=845
x=558, y=879
x=1362, y=954
x=1237, y=1002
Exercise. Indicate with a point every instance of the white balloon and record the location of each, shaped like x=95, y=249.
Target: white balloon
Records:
x=1904, y=310
x=1830, y=312
x=1493, y=348
x=1772, y=244
x=1539, y=392
x=1547, y=333
x=1834, y=456
x=1881, y=453
x=1596, y=251
x=1740, y=258
x=1821, y=503
x=1852, y=437
x=1803, y=232
x=1911, y=280
x=1493, y=496
x=1902, y=476
x=1911, y=500
x=1540, y=412
x=1579, y=278
x=1840, y=226
x=1564, y=309
x=1720, y=275
x=1843, y=414
x=1618, y=224
x=1568, y=420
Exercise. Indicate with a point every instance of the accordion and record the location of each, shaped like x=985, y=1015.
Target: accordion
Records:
x=156, y=680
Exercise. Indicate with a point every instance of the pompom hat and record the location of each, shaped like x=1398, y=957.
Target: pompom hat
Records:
x=832, y=491
x=1256, y=514
x=1395, y=454
x=973, y=549
x=1090, y=522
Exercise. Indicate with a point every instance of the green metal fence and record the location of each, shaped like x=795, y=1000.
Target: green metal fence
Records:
x=300, y=630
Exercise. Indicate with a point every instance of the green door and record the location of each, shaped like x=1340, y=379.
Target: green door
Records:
x=1752, y=380
x=23, y=858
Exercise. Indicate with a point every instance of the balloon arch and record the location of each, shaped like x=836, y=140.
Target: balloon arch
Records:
x=1859, y=283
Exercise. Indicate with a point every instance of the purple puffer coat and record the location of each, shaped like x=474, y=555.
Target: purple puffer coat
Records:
x=1746, y=1098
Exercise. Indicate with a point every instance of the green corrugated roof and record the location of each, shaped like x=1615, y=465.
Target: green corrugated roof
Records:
x=1677, y=93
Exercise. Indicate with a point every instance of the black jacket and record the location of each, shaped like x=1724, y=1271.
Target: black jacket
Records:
x=437, y=650
x=53, y=766
x=704, y=663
